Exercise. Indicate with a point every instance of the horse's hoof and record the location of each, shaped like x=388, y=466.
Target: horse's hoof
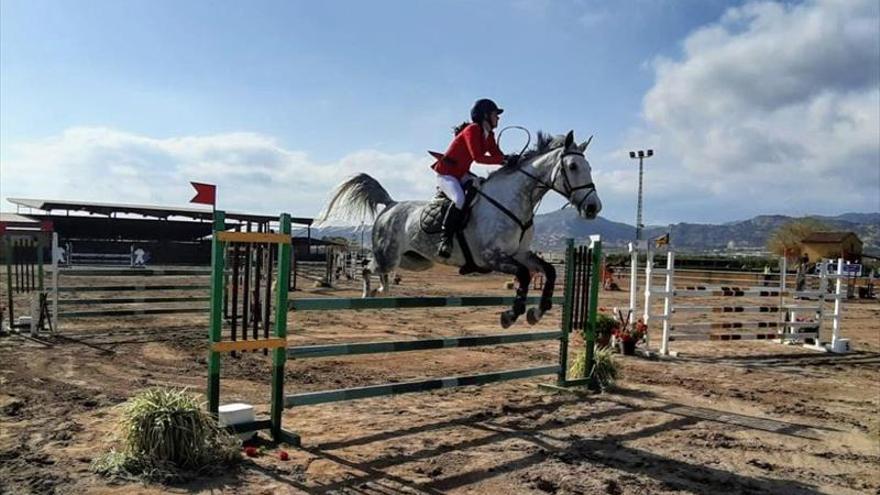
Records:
x=533, y=315
x=507, y=318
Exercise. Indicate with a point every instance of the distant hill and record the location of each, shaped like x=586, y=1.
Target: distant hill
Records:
x=551, y=230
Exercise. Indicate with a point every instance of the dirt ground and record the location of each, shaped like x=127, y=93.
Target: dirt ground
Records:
x=747, y=417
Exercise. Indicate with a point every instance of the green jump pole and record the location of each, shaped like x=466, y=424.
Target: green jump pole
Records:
x=216, y=316
x=279, y=355
x=567, y=312
x=9, y=285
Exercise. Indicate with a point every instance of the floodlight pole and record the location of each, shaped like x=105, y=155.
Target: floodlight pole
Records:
x=637, y=245
x=641, y=155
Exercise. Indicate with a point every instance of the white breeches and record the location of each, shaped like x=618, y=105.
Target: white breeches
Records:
x=451, y=187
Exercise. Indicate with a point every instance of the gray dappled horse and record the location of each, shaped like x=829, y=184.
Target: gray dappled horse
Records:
x=500, y=228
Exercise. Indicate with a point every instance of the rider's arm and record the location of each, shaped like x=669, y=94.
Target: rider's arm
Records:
x=478, y=146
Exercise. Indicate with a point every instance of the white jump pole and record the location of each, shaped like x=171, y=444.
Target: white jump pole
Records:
x=667, y=302
x=633, y=277
x=649, y=279
x=783, y=272
x=838, y=294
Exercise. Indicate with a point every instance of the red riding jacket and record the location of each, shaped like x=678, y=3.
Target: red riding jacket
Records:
x=470, y=145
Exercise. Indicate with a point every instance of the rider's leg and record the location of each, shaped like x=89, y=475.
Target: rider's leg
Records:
x=451, y=222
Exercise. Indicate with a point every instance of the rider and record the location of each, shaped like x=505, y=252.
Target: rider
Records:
x=474, y=142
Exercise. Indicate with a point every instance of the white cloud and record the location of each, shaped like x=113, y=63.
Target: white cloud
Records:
x=253, y=171
x=773, y=109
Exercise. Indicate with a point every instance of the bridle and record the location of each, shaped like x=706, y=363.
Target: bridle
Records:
x=558, y=169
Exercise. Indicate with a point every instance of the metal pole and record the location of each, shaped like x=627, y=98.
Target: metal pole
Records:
x=641, y=155
x=639, y=208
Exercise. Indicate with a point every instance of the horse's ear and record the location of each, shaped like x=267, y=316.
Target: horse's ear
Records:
x=585, y=144
x=569, y=139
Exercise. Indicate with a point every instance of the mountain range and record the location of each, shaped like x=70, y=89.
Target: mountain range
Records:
x=552, y=229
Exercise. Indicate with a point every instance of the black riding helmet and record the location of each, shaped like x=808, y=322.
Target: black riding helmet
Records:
x=482, y=108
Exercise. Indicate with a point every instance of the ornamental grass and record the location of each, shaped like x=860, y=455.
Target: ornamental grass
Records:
x=166, y=435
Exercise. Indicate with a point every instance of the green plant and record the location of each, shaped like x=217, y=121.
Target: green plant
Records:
x=605, y=369
x=166, y=435
x=605, y=326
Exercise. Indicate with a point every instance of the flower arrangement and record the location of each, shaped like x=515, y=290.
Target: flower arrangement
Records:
x=627, y=332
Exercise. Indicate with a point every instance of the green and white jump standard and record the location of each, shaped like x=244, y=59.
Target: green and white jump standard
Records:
x=579, y=305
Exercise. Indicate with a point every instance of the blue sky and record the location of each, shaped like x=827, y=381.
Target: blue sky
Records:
x=278, y=101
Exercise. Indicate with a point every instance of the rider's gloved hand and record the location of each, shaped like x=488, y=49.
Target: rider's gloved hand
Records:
x=511, y=160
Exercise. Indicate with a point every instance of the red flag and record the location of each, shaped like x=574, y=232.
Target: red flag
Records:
x=206, y=194
x=47, y=226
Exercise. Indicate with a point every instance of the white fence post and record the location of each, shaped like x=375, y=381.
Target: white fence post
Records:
x=649, y=278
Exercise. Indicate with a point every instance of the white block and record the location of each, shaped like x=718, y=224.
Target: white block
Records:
x=841, y=346
x=237, y=413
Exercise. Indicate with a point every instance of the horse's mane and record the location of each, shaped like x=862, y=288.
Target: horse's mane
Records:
x=544, y=143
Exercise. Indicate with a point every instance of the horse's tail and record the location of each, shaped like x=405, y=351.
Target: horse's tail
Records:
x=356, y=197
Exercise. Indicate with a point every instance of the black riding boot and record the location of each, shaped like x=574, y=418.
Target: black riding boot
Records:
x=451, y=223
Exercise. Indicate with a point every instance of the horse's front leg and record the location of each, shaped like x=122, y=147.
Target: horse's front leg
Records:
x=535, y=262
x=508, y=264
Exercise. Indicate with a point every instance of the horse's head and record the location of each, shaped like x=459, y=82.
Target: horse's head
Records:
x=574, y=179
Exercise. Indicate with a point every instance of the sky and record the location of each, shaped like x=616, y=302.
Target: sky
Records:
x=750, y=107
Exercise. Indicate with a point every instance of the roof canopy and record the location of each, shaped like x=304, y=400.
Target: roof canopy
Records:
x=153, y=211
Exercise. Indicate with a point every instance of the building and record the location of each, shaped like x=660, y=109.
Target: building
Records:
x=832, y=245
x=170, y=235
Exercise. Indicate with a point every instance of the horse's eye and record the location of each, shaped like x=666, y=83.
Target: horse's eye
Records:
x=572, y=166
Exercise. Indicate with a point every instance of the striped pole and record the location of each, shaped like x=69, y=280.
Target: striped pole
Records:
x=216, y=317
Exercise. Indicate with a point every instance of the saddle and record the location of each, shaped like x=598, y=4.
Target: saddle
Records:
x=431, y=220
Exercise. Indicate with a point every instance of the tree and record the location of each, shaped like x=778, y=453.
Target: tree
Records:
x=786, y=240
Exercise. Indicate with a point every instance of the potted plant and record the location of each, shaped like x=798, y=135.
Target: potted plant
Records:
x=605, y=328
x=629, y=333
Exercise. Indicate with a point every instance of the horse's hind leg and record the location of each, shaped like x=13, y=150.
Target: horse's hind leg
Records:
x=385, y=284
x=535, y=262
x=366, y=273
